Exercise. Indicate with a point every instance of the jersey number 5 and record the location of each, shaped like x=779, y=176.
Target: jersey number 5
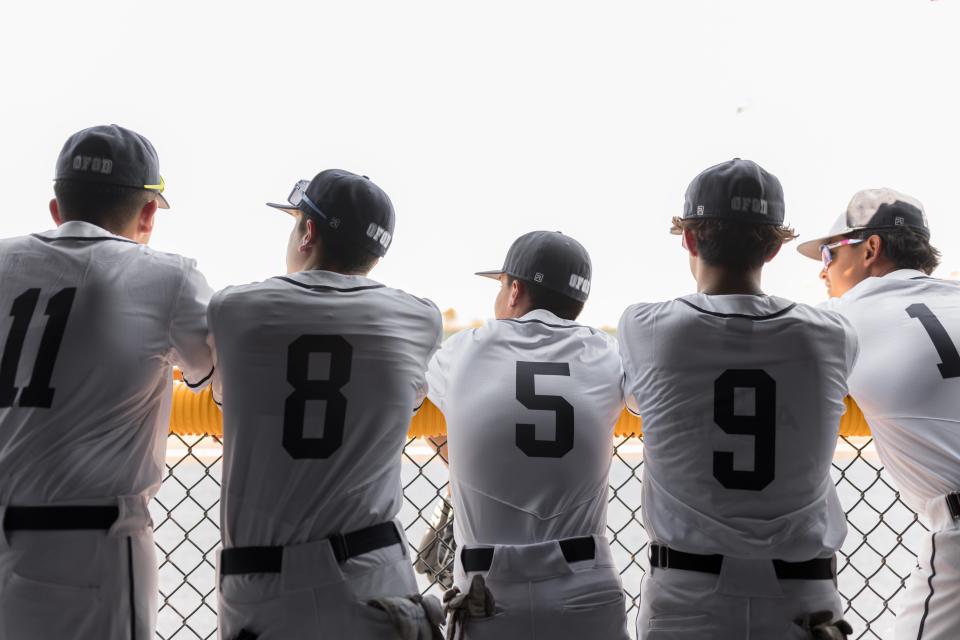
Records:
x=304, y=389
x=38, y=393
x=949, y=358
x=527, y=441
x=761, y=425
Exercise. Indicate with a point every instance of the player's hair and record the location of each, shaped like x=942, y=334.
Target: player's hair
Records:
x=735, y=245
x=340, y=256
x=109, y=206
x=906, y=248
x=556, y=303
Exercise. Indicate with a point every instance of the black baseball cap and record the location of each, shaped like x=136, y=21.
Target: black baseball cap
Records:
x=873, y=209
x=736, y=191
x=111, y=154
x=347, y=204
x=550, y=259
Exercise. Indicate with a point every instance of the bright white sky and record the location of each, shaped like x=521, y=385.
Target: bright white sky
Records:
x=486, y=120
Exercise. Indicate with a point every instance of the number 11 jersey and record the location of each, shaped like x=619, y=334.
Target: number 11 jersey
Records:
x=320, y=374
x=741, y=398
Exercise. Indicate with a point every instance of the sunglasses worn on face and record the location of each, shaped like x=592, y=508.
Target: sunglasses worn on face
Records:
x=826, y=250
x=299, y=196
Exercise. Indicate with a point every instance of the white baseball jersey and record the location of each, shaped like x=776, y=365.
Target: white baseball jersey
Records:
x=320, y=374
x=741, y=398
x=530, y=405
x=91, y=324
x=907, y=380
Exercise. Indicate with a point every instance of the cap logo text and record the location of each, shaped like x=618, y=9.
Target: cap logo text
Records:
x=579, y=283
x=94, y=164
x=699, y=209
x=749, y=205
x=380, y=235
x=538, y=277
x=898, y=221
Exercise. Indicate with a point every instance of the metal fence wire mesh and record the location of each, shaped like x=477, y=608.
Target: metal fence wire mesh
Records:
x=878, y=555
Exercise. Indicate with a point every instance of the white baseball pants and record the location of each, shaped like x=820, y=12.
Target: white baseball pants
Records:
x=80, y=584
x=316, y=598
x=930, y=607
x=540, y=596
x=745, y=602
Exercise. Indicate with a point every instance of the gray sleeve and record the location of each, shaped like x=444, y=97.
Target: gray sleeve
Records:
x=441, y=366
x=629, y=335
x=188, y=329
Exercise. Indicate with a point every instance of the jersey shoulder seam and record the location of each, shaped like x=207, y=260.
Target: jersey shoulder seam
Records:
x=770, y=316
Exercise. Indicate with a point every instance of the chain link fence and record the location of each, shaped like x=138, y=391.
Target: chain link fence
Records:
x=878, y=555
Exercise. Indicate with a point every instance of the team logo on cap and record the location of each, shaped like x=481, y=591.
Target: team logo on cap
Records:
x=579, y=283
x=380, y=235
x=94, y=164
x=749, y=205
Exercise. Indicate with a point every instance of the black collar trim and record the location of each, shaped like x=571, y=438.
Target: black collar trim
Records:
x=547, y=324
x=775, y=314
x=194, y=385
x=326, y=288
x=80, y=238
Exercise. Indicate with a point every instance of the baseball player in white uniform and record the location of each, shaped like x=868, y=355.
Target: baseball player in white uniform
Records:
x=93, y=323
x=741, y=395
x=321, y=371
x=877, y=263
x=530, y=400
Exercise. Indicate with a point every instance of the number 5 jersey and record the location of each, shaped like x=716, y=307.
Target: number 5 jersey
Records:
x=530, y=405
x=320, y=374
x=741, y=398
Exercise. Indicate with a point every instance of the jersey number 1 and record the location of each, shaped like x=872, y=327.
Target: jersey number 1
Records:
x=38, y=393
x=304, y=389
x=949, y=358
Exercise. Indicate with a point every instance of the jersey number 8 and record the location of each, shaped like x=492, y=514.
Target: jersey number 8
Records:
x=294, y=411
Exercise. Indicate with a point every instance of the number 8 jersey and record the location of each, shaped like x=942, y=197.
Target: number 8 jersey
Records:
x=741, y=398
x=320, y=374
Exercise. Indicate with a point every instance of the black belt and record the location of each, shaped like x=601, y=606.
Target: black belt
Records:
x=953, y=504
x=662, y=557
x=574, y=550
x=239, y=560
x=60, y=518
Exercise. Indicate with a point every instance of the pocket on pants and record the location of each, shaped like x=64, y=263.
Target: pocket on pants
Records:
x=595, y=600
x=32, y=608
x=680, y=627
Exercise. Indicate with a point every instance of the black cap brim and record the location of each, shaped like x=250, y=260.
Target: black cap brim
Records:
x=493, y=275
x=162, y=202
x=286, y=208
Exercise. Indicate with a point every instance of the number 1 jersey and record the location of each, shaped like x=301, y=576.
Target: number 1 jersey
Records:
x=530, y=405
x=907, y=380
x=741, y=398
x=90, y=326
x=320, y=374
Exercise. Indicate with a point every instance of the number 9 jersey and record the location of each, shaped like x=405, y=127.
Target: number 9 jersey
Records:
x=320, y=374
x=741, y=398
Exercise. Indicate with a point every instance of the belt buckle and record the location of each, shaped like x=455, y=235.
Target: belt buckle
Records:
x=953, y=505
x=338, y=542
x=663, y=556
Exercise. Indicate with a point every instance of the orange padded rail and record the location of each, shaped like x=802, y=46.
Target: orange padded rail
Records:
x=195, y=414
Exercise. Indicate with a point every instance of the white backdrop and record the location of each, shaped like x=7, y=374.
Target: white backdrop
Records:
x=486, y=120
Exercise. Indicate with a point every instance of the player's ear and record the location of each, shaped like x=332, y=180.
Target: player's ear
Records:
x=55, y=212
x=309, y=239
x=146, y=218
x=517, y=291
x=690, y=242
x=773, y=254
x=872, y=248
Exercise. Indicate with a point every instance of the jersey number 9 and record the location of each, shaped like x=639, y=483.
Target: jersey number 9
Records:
x=761, y=425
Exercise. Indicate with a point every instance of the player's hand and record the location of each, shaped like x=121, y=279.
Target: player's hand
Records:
x=820, y=625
